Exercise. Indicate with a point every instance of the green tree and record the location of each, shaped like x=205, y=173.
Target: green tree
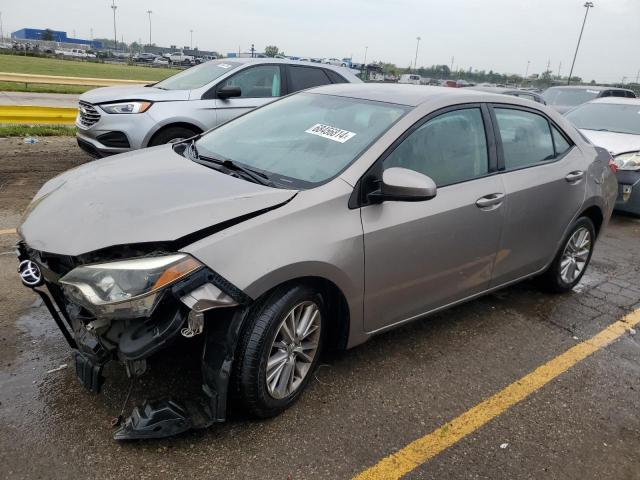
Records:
x=47, y=35
x=271, y=51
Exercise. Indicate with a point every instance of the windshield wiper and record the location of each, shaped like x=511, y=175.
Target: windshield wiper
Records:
x=254, y=176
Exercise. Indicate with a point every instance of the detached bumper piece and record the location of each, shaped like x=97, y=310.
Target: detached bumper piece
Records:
x=163, y=419
x=89, y=373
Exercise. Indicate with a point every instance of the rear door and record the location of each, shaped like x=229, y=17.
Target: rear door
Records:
x=260, y=84
x=544, y=177
x=423, y=255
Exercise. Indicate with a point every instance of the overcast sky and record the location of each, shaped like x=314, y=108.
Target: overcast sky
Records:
x=490, y=34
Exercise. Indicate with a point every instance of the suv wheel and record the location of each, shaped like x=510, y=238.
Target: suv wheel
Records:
x=573, y=258
x=171, y=135
x=280, y=349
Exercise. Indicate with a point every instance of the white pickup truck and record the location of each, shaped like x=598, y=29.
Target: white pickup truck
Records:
x=181, y=58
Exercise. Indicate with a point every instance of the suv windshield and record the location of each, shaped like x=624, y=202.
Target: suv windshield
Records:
x=607, y=116
x=302, y=140
x=196, y=77
x=569, y=96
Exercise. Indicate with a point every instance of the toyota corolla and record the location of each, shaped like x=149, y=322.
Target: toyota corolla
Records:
x=314, y=222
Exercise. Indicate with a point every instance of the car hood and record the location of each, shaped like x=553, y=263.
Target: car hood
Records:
x=151, y=195
x=133, y=92
x=615, y=143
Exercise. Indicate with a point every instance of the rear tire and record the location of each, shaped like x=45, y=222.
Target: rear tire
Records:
x=264, y=350
x=171, y=135
x=572, y=259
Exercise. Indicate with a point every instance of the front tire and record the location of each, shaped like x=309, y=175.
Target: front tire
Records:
x=573, y=258
x=171, y=135
x=280, y=349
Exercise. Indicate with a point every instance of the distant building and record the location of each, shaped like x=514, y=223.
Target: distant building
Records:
x=56, y=36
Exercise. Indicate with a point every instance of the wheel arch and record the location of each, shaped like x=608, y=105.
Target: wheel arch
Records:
x=171, y=124
x=594, y=213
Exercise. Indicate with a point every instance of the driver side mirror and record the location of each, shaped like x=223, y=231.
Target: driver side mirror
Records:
x=403, y=185
x=229, y=91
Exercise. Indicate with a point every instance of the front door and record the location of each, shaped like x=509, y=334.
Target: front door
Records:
x=420, y=256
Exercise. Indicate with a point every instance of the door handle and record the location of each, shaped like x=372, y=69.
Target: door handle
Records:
x=574, y=177
x=491, y=200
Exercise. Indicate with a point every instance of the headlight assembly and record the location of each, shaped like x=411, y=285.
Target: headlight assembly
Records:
x=628, y=161
x=126, y=107
x=126, y=288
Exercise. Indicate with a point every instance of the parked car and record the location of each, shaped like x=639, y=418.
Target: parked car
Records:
x=334, y=61
x=564, y=99
x=614, y=124
x=410, y=78
x=144, y=57
x=180, y=58
x=261, y=234
x=160, y=61
x=526, y=94
x=116, y=119
x=449, y=83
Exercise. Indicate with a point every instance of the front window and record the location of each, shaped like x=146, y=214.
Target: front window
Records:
x=303, y=140
x=569, y=96
x=256, y=82
x=196, y=77
x=609, y=117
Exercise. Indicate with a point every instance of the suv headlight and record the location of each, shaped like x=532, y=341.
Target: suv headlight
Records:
x=126, y=107
x=126, y=288
x=628, y=161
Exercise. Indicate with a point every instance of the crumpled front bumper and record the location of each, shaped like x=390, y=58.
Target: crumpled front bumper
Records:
x=189, y=307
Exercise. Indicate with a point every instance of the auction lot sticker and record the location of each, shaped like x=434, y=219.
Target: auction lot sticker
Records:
x=332, y=133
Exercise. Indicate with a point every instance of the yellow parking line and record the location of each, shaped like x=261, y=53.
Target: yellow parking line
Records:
x=10, y=231
x=423, y=449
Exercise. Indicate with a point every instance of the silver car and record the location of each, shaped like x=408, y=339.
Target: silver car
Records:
x=312, y=223
x=118, y=119
x=614, y=124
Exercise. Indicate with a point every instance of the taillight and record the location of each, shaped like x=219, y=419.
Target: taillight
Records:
x=613, y=166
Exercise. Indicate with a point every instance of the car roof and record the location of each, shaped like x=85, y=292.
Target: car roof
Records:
x=617, y=101
x=599, y=88
x=256, y=61
x=402, y=94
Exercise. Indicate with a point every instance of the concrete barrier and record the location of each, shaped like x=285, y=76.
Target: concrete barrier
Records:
x=28, y=115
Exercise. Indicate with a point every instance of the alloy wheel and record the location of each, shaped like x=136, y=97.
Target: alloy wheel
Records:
x=575, y=255
x=294, y=349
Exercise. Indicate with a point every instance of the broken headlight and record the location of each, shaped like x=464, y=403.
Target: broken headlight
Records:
x=125, y=288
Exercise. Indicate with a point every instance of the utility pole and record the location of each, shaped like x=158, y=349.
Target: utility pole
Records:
x=191, y=40
x=149, y=12
x=365, y=56
x=415, y=61
x=559, y=70
x=115, y=36
x=587, y=5
x=252, y=50
x=526, y=73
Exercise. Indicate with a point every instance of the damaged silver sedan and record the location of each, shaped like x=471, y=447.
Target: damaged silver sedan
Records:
x=314, y=222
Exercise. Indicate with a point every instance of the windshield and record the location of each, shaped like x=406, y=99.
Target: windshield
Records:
x=569, y=96
x=302, y=140
x=607, y=116
x=196, y=77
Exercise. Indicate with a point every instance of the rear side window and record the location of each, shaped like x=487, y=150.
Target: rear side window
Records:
x=449, y=148
x=335, y=77
x=307, y=77
x=560, y=143
x=618, y=93
x=526, y=138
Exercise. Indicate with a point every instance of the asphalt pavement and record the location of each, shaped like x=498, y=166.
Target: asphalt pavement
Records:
x=363, y=405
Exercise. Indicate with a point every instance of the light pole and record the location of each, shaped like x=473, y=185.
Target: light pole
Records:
x=149, y=12
x=526, y=72
x=365, y=56
x=115, y=36
x=587, y=5
x=415, y=61
x=1, y=31
x=191, y=40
